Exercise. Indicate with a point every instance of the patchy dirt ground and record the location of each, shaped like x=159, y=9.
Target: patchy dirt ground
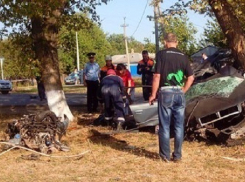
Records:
x=124, y=157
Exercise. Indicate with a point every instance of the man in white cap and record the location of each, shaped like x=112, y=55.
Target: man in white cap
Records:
x=108, y=65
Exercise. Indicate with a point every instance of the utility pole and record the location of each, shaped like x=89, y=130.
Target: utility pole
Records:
x=156, y=16
x=1, y=60
x=126, y=42
x=78, y=61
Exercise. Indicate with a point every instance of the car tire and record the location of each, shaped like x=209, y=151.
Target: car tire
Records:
x=4, y=92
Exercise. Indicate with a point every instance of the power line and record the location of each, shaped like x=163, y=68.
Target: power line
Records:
x=126, y=41
x=140, y=18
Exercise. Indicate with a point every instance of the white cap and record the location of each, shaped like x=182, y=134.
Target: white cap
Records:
x=108, y=57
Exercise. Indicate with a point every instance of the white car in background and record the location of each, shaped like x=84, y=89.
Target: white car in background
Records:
x=5, y=86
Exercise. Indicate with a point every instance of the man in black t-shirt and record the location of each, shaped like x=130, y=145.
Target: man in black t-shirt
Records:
x=173, y=77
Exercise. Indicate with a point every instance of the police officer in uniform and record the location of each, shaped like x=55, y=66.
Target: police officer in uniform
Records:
x=91, y=80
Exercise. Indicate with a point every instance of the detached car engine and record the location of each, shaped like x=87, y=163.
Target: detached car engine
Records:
x=41, y=132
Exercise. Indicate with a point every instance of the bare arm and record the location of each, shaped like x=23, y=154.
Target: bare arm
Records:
x=129, y=85
x=155, y=86
x=188, y=83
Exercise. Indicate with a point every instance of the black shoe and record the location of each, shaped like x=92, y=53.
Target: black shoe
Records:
x=99, y=121
x=175, y=160
x=94, y=110
x=113, y=124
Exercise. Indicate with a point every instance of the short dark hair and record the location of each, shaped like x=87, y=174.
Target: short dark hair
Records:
x=120, y=67
x=144, y=52
x=170, y=37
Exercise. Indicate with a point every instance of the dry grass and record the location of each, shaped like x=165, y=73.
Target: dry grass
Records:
x=123, y=157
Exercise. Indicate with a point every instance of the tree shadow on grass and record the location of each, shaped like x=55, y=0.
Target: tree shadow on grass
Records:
x=121, y=145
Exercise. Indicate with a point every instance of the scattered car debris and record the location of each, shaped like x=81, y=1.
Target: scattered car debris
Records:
x=41, y=132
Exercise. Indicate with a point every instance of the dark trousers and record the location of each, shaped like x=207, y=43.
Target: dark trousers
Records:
x=147, y=80
x=146, y=93
x=92, y=100
x=41, y=91
x=113, y=99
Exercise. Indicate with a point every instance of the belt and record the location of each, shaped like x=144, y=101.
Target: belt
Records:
x=170, y=87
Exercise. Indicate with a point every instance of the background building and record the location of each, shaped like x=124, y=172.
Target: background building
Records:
x=134, y=58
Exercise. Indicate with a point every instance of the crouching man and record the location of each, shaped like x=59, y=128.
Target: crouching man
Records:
x=112, y=93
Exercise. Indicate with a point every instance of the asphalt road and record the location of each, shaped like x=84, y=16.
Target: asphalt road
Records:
x=23, y=99
x=25, y=103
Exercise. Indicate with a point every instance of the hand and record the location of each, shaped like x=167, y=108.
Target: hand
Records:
x=84, y=83
x=139, y=69
x=124, y=98
x=183, y=89
x=151, y=100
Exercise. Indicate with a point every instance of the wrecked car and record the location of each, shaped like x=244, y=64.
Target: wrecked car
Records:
x=41, y=132
x=214, y=104
x=214, y=110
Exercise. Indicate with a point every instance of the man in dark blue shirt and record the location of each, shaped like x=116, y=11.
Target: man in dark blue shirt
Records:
x=112, y=93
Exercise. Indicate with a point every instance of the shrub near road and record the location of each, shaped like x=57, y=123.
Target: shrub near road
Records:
x=123, y=157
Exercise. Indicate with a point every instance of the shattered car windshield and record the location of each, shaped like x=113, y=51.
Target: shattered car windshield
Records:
x=222, y=87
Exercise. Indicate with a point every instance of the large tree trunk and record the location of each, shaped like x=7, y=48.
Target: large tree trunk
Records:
x=44, y=34
x=231, y=27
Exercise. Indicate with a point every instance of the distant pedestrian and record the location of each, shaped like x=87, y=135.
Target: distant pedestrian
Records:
x=144, y=68
x=91, y=80
x=173, y=77
x=40, y=88
x=76, y=76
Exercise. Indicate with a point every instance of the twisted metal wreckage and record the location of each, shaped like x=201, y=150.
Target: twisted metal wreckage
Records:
x=215, y=104
x=41, y=132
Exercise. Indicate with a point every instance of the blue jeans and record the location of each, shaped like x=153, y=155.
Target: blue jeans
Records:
x=171, y=108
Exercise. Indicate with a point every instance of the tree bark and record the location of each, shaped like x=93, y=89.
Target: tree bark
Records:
x=44, y=34
x=231, y=27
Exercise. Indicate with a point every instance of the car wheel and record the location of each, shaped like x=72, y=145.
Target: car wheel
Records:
x=4, y=92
